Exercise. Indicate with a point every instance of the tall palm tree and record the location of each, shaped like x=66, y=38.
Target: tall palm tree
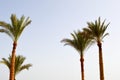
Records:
x=14, y=30
x=19, y=60
x=97, y=30
x=80, y=42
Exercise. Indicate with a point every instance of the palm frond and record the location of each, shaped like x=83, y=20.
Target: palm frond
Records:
x=5, y=62
x=26, y=66
x=5, y=25
x=23, y=67
x=14, y=21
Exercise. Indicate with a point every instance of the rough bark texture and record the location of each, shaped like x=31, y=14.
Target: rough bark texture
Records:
x=101, y=61
x=82, y=67
x=12, y=67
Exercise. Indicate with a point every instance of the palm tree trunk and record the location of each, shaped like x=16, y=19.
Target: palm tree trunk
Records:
x=101, y=61
x=12, y=67
x=82, y=67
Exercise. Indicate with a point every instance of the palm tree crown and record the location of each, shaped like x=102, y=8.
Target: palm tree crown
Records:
x=16, y=27
x=97, y=29
x=80, y=41
x=19, y=66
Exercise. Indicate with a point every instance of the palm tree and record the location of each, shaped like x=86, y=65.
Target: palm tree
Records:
x=14, y=30
x=97, y=30
x=19, y=60
x=80, y=42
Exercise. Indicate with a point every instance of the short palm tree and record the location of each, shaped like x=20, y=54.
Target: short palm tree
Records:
x=80, y=42
x=14, y=30
x=19, y=60
x=97, y=31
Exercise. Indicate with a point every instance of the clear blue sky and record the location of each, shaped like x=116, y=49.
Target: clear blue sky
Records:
x=53, y=20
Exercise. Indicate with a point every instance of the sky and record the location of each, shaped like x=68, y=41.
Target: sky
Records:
x=52, y=21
